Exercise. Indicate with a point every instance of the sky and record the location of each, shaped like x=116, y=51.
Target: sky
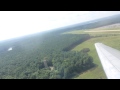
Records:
x=19, y=23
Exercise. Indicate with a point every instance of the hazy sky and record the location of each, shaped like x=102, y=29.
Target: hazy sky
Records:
x=19, y=23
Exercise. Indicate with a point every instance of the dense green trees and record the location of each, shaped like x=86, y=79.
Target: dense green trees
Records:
x=26, y=60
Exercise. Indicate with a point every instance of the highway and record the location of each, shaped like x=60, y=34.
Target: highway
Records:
x=110, y=60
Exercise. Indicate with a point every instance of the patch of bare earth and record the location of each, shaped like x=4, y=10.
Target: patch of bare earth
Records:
x=102, y=31
x=113, y=26
x=51, y=68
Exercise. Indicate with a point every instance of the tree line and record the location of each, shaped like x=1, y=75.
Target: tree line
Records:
x=26, y=60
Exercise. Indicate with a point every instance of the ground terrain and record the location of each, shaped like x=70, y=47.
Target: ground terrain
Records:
x=108, y=35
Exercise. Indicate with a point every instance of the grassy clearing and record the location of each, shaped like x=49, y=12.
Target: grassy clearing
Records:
x=109, y=38
x=94, y=32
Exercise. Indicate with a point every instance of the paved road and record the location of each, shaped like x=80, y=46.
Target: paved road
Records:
x=110, y=59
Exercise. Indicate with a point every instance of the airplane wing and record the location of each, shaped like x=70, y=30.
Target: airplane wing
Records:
x=110, y=59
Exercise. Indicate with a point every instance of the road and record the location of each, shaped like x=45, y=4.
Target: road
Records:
x=110, y=60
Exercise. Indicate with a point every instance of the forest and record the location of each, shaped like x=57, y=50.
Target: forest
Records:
x=44, y=56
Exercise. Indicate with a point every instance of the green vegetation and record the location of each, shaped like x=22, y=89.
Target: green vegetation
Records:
x=44, y=56
x=59, y=54
x=97, y=72
x=110, y=38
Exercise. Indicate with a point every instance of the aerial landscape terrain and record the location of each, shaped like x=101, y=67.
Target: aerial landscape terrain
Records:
x=59, y=54
x=109, y=35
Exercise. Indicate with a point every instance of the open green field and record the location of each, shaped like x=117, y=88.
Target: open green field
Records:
x=95, y=32
x=108, y=37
